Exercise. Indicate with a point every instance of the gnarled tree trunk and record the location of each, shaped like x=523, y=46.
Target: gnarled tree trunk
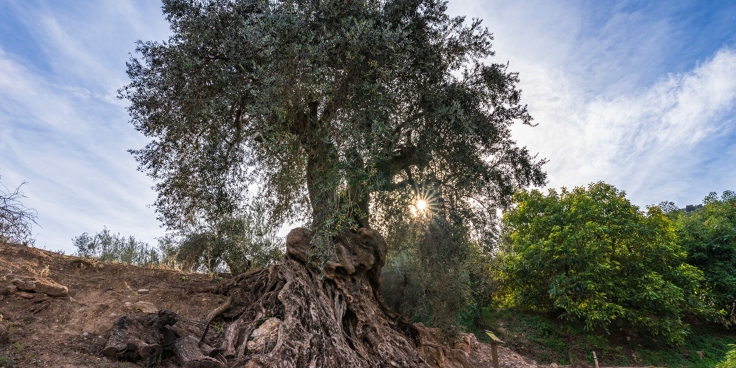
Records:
x=295, y=315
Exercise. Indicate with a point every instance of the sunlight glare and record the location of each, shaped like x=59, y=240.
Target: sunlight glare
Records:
x=421, y=205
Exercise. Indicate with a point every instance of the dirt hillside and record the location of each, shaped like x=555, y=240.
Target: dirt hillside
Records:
x=58, y=311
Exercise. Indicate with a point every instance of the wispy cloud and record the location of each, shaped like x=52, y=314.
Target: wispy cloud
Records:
x=640, y=94
x=654, y=142
x=623, y=93
x=64, y=132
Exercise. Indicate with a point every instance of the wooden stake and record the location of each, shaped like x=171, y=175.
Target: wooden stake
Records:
x=595, y=359
x=494, y=341
x=494, y=354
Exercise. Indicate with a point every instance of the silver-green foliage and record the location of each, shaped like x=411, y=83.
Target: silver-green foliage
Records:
x=236, y=242
x=338, y=110
x=109, y=247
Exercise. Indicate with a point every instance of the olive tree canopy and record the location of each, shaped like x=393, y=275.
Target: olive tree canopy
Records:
x=332, y=108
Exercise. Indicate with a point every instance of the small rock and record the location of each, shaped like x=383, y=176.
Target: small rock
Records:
x=51, y=288
x=145, y=307
x=265, y=335
x=85, y=333
x=553, y=365
x=143, y=291
x=128, y=304
x=701, y=354
x=466, y=342
x=25, y=285
x=23, y=294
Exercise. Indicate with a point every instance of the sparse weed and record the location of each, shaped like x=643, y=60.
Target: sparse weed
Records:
x=44, y=272
x=19, y=348
x=130, y=288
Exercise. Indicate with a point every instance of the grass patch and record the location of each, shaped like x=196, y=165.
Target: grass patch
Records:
x=547, y=339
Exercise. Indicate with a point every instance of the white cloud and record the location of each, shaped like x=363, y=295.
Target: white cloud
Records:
x=651, y=142
x=597, y=79
x=62, y=129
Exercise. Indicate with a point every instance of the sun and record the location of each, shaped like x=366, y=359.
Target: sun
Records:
x=425, y=202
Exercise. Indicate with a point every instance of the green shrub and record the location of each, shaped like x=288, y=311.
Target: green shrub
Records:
x=436, y=274
x=730, y=360
x=708, y=234
x=108, y=247
x=236, y=243
x=592, y=256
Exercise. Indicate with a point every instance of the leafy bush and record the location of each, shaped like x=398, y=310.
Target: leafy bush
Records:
x=16, y=221
x=709, y=237
x=435, y=274
x=235, y=242
x=730, y=360
x=592, y=256
x=108, y=247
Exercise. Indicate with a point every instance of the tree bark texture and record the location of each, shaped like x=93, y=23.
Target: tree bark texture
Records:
x=295, y=315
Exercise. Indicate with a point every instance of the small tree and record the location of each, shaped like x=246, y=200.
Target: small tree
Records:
x=709, y=237
x=592, y=256
x=16, y=220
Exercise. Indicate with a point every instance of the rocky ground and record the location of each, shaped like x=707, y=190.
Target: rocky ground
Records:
x=58, y=311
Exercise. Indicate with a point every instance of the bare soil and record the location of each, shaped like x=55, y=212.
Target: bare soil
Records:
x=71, y=330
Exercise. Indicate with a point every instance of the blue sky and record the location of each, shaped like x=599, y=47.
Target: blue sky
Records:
x=640, y=94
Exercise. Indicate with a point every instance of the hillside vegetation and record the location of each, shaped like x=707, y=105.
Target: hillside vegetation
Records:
x=576, y=271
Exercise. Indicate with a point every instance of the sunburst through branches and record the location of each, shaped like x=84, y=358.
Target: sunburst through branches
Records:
x=425, y=202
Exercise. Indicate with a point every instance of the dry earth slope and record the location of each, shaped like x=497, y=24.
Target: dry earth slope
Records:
x=58, y=311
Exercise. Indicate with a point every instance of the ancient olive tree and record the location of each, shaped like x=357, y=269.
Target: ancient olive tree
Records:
x=323, y=104
x=336, y=112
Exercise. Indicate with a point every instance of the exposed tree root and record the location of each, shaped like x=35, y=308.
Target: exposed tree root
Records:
x=294, y=315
